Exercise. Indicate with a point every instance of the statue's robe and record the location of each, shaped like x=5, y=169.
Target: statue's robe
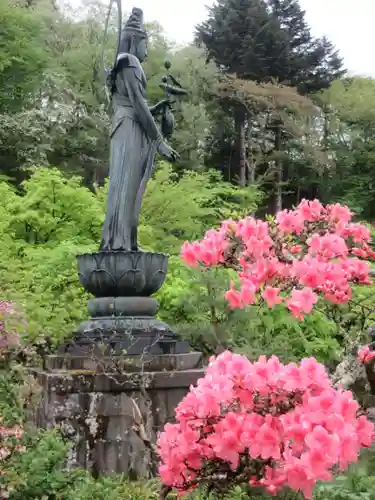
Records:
x=134, y=139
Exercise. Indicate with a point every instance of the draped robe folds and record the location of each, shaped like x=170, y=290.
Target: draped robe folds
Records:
x=132, y=155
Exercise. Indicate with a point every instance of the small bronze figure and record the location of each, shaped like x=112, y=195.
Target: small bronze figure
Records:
x=134, y=138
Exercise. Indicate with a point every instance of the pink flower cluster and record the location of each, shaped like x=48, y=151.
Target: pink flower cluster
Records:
x=9, y=445
x=263, y=423
x=8, y=338
x=9, y=437
x=366, y=355
x=305, y=252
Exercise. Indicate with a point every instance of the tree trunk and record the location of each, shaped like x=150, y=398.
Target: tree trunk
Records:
x=240, y=118
x=279, y=171
x=250, y=160
x=89, y=177
x=324, y=184
x=298, y=194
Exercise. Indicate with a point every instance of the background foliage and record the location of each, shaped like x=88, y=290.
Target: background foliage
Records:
x=257, y=132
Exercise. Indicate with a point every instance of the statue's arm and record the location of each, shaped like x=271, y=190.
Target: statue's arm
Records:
x=158, y=107
x=140, y=105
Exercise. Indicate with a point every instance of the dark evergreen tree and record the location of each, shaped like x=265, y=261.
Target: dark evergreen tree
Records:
x=308, y=63
x=241, y=37
x=266, y=41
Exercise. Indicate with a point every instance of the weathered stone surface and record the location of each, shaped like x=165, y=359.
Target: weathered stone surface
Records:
x=98, y=411
x=125, y=363
x=66, y=382
x=354, y=376
x=350, y=373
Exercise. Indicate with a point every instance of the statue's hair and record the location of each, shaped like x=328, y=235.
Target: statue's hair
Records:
x=135, y=21
x=133, y=31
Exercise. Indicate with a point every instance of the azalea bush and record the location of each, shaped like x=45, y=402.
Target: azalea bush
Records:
x=10, y=444
x=193, y=303
x=10, y=375
x=265, y=424
x=302, y=254
x=9, y=337
x=10, y=434
x=17, y=385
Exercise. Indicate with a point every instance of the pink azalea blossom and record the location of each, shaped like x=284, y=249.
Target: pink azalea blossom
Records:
x=271, y=296
x=365, y=354
x=310, y=211
x=301, y=301
x=285, y=421
x=290, y=221
x=313, y=247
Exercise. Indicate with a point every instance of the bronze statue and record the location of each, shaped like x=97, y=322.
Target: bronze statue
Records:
x=122, y=277
x=134, y=138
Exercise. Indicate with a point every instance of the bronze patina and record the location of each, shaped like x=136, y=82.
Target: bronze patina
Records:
x=134, y=138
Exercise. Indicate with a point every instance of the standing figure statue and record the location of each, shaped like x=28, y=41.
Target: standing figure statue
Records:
x=134, y=138
x=122, y=277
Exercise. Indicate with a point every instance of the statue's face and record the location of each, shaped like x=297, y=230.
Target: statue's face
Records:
x=142, y=49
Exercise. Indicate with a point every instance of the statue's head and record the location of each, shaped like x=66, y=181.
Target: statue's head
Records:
x=134, y=36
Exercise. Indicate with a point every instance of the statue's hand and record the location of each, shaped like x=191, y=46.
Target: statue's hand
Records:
x=159, y=106
x=169, y=154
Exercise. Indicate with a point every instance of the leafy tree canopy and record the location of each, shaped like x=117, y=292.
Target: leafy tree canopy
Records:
x=23, y=58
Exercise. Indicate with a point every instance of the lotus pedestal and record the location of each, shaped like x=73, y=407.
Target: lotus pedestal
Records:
x=123, y=313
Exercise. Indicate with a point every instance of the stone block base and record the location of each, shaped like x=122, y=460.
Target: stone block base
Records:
x=96, y=403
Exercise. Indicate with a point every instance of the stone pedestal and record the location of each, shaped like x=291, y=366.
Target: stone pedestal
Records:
x=123, y=313
x=121, y=368
x=93, y=401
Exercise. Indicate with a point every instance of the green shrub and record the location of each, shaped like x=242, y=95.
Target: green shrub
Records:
x=113, y=488
x=194, y=303
x=38, y=472
x=358, y=483
x=55, y=218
